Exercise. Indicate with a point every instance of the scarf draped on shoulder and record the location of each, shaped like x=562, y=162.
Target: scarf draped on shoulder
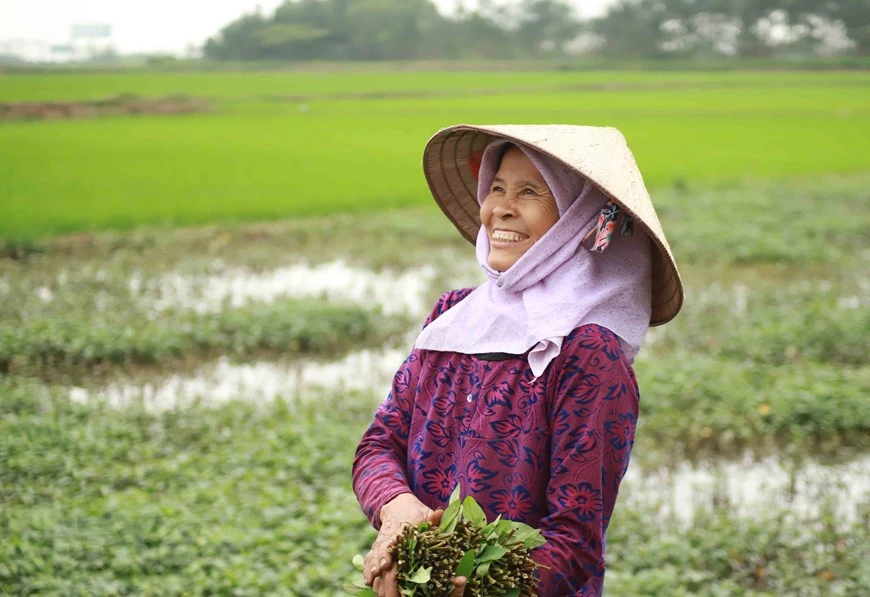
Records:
x=556, y=286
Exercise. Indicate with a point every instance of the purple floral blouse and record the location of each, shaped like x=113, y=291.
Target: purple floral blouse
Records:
x=549, y=452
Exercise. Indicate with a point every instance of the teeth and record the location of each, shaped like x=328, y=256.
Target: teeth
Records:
x=505, y=236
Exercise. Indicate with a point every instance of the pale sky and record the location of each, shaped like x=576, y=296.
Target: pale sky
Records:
x=155, y=25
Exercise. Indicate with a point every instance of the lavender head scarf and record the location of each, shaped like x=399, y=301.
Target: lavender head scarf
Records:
x=556, y=286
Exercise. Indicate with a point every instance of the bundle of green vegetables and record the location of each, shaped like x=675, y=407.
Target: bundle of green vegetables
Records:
x=492, y=556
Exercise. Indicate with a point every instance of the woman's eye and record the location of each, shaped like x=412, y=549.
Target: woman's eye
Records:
x=497, y=189
x=528, y=192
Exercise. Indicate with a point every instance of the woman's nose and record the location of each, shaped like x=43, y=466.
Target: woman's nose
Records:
x=504, y=208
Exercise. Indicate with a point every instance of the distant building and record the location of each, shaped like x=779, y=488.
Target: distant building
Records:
x=24, y=50
x=86, y=42
x=89, y=40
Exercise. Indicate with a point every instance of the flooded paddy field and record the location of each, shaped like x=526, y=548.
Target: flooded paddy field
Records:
x=179, y=409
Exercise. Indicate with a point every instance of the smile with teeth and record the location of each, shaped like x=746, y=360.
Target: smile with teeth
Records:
x=507, y=236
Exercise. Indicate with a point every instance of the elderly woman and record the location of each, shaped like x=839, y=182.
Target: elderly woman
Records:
x=522, y=390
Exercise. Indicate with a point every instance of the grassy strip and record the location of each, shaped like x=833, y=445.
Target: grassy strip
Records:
x=772, y=322
x=250, y=500
x=264, y=244
x=803, y=221
x=243, y=81
x=702, y=407
x=54, y=344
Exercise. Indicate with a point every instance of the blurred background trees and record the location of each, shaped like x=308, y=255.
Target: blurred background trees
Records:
x=528, y=29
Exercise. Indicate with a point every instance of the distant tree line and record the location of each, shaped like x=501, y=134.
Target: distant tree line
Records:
x=522, y=29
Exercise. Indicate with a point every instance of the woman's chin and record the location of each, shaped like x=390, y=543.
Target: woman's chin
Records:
x=502, y=255
x=502, y=263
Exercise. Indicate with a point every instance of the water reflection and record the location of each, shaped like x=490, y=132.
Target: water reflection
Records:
x=261, y=381
x=749, y=488
x=394, y=292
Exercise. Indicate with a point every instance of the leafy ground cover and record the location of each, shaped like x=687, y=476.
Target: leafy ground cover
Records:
x=251, y=499
x=64, y=345
x=721, y=554
x=702, y=408
x=255, y=160
x=99, y=502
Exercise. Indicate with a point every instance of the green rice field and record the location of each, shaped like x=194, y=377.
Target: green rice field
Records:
x=284, y=144
x=382, y=78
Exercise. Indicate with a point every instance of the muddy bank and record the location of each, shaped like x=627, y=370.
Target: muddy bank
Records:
x=121, y=105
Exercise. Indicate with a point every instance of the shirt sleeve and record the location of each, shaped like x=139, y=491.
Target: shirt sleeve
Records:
x=593, y=419
x=379, y=468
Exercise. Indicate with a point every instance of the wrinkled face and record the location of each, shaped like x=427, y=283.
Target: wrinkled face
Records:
x=518, y=210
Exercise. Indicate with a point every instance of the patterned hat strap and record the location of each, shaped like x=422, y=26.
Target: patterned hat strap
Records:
x=603, y=231
x=607, y=224
x=604, y=227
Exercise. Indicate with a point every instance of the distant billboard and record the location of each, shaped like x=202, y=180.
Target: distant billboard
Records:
x=90, y=31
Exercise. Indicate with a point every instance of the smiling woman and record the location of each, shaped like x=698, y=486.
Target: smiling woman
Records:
x=518, y=210
x=522, y=391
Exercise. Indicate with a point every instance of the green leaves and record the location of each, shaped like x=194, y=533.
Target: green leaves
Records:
x=360, y=589
x=452, y=513
x=358, y=562
x=491, y=552
x=530, y=537
x=473, y=512
x=421, y=576
x=492, y=556
x=466, y=564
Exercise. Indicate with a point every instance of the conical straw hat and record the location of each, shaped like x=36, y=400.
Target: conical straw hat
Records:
x=598, y=153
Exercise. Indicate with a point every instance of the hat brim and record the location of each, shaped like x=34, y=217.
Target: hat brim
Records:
x=447, y=165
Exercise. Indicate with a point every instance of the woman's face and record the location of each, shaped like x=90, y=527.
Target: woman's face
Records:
x=518, y=210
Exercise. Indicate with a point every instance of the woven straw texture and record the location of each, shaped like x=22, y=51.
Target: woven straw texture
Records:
x=601, y=154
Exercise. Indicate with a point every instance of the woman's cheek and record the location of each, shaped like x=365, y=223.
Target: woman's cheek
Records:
x=486, y=213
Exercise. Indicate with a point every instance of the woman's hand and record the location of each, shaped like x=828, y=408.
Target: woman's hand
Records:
x=404, y=508
x=379, y=570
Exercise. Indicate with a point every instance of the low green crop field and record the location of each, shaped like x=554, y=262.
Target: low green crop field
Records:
x=121, y=238
x=287, y=144
x=768, y=359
